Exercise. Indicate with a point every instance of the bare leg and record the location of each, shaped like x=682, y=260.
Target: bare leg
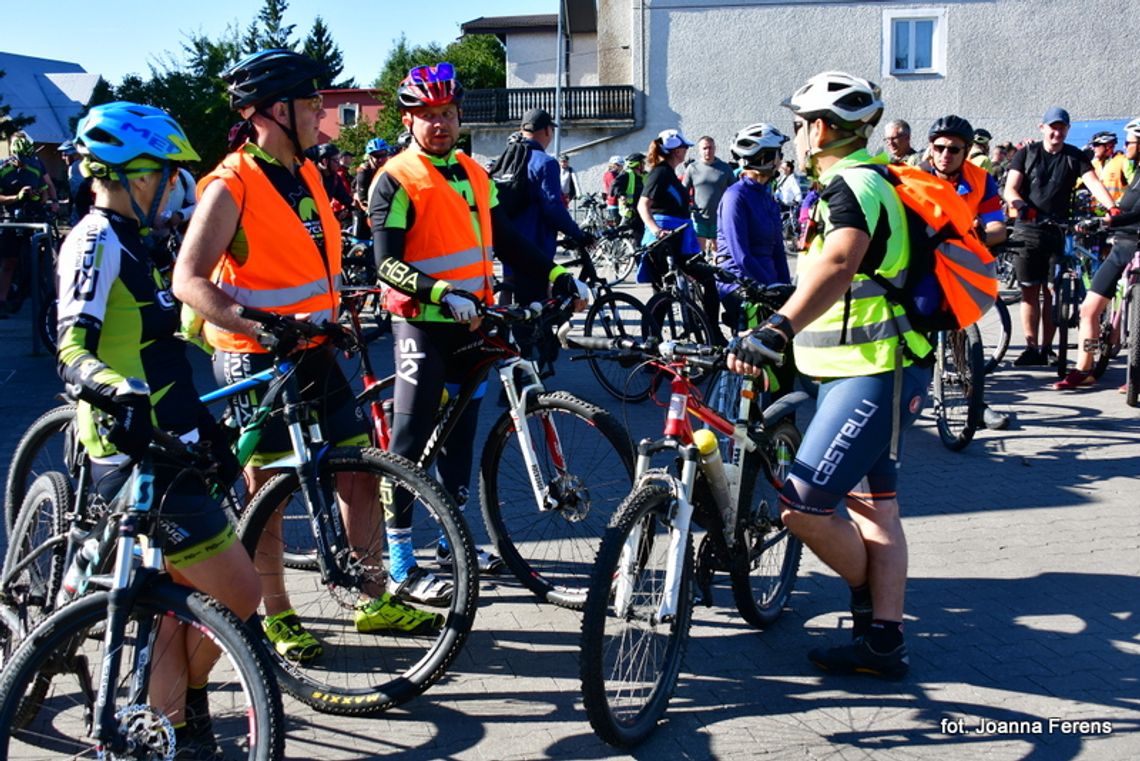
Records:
x=878, y=522
x=1030, y=312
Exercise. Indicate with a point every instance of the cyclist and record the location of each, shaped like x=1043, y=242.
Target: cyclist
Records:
x=950, y=138
x=264, y=235
x=749, y=234
x=1109, y=164
x=625, y=191
x=1039, y=188
x=1125, y=228
x=873, y=384
x=25, y=188
x=980, y=150
x=435, y=227
x=117, y=339
x=376, y=153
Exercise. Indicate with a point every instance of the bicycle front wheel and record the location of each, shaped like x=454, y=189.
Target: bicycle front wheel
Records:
x=630, y=655
x=763, y=583
x=584, y=460
x=619, y=315
x=1066, y=315
x=66, y=653
x=994, y=328
x=44, y=447
x=366, y=668
x=678, y=318
x=958, y=387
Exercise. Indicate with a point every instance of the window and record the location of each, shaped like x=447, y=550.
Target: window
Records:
x=914, y=41
x=348, y=114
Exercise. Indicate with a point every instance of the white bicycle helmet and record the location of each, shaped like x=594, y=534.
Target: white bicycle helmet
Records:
x=757, y=146
x=853, y=102
x=1132, y=129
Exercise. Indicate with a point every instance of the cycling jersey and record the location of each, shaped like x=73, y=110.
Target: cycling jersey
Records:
x=118, y=319
x=16, y=174
x=859, y=333
x=749, y=236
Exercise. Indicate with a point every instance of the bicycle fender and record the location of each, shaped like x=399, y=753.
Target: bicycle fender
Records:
x=783, y=407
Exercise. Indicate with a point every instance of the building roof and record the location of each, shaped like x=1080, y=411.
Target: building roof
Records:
x=505, y=24
x=53, y=92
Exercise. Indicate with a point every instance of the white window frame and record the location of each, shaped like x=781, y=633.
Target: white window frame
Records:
x=937, y=40
x=346, y=108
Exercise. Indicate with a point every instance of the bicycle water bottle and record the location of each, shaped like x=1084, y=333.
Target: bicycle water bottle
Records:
x=712, y=465
x=75, y=580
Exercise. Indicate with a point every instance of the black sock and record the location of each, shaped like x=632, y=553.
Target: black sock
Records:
x=860, y=610
x=198, y=711
x=885, y=636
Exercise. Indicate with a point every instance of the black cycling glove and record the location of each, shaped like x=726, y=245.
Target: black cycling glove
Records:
x=132, y=431
x=766, y=344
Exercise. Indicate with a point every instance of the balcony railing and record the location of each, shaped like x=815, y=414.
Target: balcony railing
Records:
x=608, y=103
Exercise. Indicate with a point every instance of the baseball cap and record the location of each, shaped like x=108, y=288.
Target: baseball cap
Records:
x=536, y=119
x=1056, y=114
x=672, y=138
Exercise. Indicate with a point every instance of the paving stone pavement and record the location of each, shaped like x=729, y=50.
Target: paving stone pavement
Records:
x=1023, y=611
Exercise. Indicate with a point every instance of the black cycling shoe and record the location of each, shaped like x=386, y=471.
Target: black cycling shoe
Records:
x=1031, y=357
x=859, y=658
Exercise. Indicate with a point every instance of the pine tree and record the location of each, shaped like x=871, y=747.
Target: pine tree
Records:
x=320, y=47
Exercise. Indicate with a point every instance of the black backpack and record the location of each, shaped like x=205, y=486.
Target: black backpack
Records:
x=511, y=177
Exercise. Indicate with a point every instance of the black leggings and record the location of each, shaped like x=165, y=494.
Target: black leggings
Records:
x=429, y=357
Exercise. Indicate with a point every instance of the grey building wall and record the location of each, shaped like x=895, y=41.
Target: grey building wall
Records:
x=715, y=66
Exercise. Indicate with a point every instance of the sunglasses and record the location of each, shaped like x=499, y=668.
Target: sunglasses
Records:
x=953, y=150
x=315, y=101
x=441, y=72
x=797, y=125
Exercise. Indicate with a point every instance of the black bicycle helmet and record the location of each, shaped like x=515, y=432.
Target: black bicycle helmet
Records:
x=954, y=126
x=1104, y=138
x=982, y=136
x=271, y=75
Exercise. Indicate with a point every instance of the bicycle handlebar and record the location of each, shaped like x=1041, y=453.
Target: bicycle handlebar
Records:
x=288, y=332
x=624, y=348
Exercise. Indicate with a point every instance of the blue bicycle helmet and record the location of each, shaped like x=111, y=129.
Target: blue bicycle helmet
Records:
x=377, y=145
x=117, y=134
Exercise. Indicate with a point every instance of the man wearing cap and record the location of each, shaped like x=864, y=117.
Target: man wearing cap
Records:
x=706, y=180
x=980, y=150
x=1039, y=189
x=567, y=180
x=614, y=167
x=542, y=218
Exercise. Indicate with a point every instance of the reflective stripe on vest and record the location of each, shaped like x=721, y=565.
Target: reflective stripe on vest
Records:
x=857, y=334
x=285, y=272
x=442, y=241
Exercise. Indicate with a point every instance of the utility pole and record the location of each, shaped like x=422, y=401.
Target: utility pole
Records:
x=558, y=74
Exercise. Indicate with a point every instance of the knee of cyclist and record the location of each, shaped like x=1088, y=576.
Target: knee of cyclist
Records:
x=802, y=520
x=245, y=596
x=1091, y=308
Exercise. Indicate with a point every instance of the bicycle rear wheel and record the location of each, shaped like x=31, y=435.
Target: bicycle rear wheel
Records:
x=958, y=387
x=763, y=585
x=619, y=315
x=678, y=318
x=1105, y=348
x=585, y=460
x=368, y=672
x=67, y=652
x=630, y=657
x=1066, y=314
x=47, y=446
x=1132, y=392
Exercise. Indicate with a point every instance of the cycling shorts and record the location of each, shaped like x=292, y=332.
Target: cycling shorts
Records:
x=1041, y=248
x=1108, y=275
x=194, y=524
x=846, y=449
x=704, y=228
x=320, y=381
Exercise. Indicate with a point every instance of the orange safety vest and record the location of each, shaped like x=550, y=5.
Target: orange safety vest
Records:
x=442, y=242
x=1111, y=174
x=285, y=272
x=975, y=177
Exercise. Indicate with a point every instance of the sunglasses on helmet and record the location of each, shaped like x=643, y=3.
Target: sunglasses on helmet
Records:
x=441, y=72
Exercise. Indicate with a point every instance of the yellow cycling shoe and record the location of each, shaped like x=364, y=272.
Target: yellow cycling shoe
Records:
x=387, y=614
x=289, y=637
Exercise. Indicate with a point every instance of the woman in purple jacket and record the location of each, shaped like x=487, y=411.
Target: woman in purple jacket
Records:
x=749, y=240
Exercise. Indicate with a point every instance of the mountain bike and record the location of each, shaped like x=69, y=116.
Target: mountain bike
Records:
x=640, y=601
x=1072, y=275
x=995, y=327
x=358, y=673
x=83, y=682
x=1120, y=329
x=958, y=386
x=593, y=217
x=615, y=254
x=553, y=466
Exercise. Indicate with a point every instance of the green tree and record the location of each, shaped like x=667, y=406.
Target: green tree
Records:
x=8, y=123
x=276, y=33
x=320, y=47
x=354, y=138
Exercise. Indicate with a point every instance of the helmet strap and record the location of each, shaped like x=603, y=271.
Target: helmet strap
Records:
x=146, y=219
x=290, y=130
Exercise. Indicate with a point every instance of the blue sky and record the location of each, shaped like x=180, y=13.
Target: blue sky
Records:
x=118, y=37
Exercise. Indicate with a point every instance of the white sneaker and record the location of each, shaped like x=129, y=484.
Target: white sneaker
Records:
x=421, y=586
x=488, y=563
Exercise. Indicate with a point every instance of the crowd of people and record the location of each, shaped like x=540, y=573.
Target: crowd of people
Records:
x=263, y=229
